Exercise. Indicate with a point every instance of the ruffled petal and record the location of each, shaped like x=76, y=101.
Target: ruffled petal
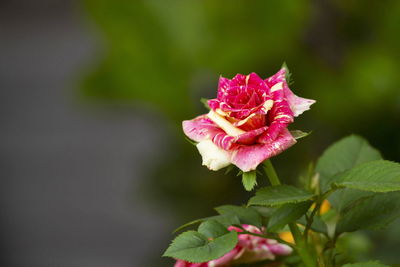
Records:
x=226, y=259
x=297, y=104
x=214, y=158
x=241, y=96
x=182, y=263
x=251, y=80
x=250, y=136
x=255, y=254
x=278, y=77
x=280, y=116
x=254, y=121
x=280, y=249
x=223, y=140
x=223, y=86
x=247, y=158
x=200, y=128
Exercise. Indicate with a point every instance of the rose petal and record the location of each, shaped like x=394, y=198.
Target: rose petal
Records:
x=200, y=128
x=214, y=158
x=280, y=116
x=224, y=124
x=241, y=96
x=297, y=104
x=182, y=263
x=278, y=77
x=223, y=85
x=252, y=80
x=280, y=249
x=226, y=259
x=224, y=141
x=250, y=136
x=254, y=121
x=247, y=158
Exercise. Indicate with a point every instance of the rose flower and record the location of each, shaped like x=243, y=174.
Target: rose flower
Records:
x=249, y=249
x=248, y=121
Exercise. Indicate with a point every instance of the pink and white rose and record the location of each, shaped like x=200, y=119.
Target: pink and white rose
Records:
x=248, y=121
x=249, y=249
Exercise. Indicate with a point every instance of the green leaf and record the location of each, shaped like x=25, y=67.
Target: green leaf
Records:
x=280, y=194
x=345, y=198
x=342, y=156
x=288, y=77
x=189, y=224
x=246, y=215
x=373, y=212
x=249, y=180
x=366, y=264
x=212, y=229
x=286, y=214
x=227, y=219
x=297, y=134
x=375, y=176
x=339, y=158
x=195, y=247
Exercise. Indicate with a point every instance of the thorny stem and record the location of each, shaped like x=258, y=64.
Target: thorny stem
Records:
x=301, y=244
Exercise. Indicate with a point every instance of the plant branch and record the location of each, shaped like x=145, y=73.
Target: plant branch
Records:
x=301, y=244
x=271, y=173
x=310, y=219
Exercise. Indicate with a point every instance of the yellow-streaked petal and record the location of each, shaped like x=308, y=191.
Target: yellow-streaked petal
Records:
x=224, y=124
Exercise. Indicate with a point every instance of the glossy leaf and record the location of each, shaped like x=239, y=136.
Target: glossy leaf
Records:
x=193, y=246
x=246, y=215
x=226, y=220
x=375, y=176
x=212, y=229
x=342, y=156
x=373, y=212
x=286, y=214
x=280, y=194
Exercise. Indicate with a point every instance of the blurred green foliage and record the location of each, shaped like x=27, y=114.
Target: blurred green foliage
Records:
x=170, y=53
x=159, y=51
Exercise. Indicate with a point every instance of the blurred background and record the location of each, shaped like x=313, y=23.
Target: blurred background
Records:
x=95, y=170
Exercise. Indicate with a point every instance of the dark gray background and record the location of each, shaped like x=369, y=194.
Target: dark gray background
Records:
x=70, y=171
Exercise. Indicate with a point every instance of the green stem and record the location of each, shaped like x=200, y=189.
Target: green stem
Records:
x=271, y=173
x=311, y=219
x=301, y=245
